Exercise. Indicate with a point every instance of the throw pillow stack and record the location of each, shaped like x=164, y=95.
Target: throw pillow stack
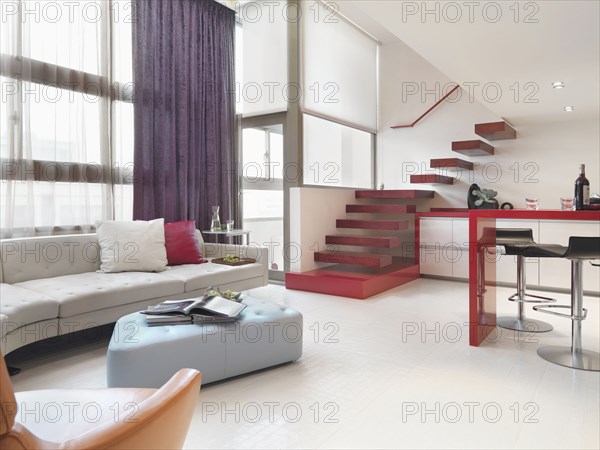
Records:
x=147, y=246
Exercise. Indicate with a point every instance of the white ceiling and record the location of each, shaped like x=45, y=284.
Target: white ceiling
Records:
x=562, y=45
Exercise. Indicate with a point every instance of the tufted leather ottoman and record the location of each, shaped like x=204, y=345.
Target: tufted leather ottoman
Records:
x=267, y=334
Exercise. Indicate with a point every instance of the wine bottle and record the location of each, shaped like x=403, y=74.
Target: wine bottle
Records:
x=582, y=190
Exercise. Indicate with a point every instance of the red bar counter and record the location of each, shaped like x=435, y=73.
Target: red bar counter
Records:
x=482, y=305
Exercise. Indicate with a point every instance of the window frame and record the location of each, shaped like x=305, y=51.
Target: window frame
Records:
x=104, y=87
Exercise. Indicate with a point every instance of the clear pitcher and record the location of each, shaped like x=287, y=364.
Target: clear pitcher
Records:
x=215, y=223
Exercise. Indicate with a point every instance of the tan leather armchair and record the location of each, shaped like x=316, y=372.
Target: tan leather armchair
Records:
x=127, y=418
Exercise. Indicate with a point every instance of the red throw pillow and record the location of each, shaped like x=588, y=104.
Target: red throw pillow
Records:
x=182, y=244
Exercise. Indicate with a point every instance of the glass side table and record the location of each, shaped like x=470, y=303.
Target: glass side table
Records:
x=245, y=235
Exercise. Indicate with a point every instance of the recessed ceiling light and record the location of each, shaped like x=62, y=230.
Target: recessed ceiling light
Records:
x=569, y=108
x=558, y=85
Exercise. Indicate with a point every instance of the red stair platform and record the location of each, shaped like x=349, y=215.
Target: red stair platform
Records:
x=444, y=163
x=347, y=281
x=431, y=179
x=382, y=209
x=495, y=131
x=472, y=148
x=363, y=241
x=353, y=258
x=372, y=224
x=400, y=194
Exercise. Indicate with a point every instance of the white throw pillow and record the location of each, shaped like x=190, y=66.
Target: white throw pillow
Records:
x=135, y=246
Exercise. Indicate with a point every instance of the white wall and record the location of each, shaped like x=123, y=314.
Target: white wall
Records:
x=313, y=214
x=542, y=162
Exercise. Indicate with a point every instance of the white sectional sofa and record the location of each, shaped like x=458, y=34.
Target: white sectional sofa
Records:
x=50, y=286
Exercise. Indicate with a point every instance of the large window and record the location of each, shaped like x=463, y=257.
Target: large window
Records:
x=262, y=94
x=337, y=155
x=66, y=117
x=262, y=189
x=339, y=84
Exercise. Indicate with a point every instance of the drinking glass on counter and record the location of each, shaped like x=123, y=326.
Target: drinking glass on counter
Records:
x=532, y=203
x=566, y=203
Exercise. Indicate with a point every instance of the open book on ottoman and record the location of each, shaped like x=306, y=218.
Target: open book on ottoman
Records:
x=206, y=309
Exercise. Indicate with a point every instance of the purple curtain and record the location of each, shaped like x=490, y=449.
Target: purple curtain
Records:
x=184, y=118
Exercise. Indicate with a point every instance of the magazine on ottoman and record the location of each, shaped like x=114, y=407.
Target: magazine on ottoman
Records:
x=206, y=309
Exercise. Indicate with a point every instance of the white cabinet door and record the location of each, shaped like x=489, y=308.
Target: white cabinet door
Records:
x=556, y=272
x=436, y=231
x=436, y=246
x=435, y=261
x=460, y=237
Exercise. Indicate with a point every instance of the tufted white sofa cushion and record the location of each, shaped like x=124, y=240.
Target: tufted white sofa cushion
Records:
x=22, y=306
x=210, y=274
x=92, y=291
x=48, y=256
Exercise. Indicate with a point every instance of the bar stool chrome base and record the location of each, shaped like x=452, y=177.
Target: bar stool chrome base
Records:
x=563, y=356
x=520, y=322
x=580, y=249
x=525, y=324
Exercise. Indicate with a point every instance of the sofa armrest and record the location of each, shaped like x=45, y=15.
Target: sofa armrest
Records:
x=254, y=251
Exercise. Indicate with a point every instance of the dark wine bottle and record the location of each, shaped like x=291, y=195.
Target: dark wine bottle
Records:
x=582, y=190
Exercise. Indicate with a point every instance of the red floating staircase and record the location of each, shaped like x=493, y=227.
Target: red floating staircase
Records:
x=377, y=260
x=493, y=131
x=382, y=255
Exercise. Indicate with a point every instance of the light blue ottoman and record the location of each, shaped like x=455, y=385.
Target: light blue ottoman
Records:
x=267, y=334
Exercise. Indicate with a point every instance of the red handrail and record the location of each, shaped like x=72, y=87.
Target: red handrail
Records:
x=429, y=110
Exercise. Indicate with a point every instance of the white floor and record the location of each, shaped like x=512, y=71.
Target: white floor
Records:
x=394, y=371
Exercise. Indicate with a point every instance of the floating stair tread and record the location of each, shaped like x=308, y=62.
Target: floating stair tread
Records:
x=372, y=224
x=364, y=241
x=354, y=258
x=450, y=162
x=473, y=148
x=495, y=131
x=381, y=209
x=431, y=179
x=399, y=194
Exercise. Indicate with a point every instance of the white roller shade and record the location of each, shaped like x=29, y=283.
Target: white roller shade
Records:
x=339, y=69
x=264, y=87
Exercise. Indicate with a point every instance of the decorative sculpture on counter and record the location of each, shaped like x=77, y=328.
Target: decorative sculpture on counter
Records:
x=478, y=198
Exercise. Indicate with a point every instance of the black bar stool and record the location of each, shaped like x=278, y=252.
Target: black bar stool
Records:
x=519, y=242
x=580, y=249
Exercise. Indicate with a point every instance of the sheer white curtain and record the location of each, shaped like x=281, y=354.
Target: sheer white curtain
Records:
x=62, y=158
